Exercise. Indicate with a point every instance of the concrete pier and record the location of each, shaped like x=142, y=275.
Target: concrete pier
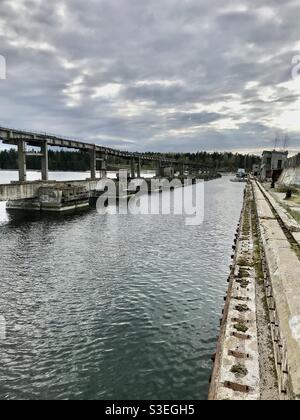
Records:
x=61, y=197
x=17, y=192
x=236, y=374
x=282, y=258
x=267, y=254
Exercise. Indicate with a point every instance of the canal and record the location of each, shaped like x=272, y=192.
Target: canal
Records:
x=113, y=307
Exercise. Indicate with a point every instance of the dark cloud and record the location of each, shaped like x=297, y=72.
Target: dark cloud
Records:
x=162, y=74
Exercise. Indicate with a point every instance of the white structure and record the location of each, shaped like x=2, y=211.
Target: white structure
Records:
x=273, y=162
x=291, y=174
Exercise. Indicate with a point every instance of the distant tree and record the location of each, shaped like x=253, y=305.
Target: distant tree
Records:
x=79, y=161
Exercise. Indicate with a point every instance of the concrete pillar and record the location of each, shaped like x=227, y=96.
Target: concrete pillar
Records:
x=132, y=168
x=22, y=161
x=45, y=164
x=182, y=169
x=93, y=164
x=139, y=168
x=158, y=169
x=104, y=167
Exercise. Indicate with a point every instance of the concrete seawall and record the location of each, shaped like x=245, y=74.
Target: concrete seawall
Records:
x=282, y=274
x=262, y=360
x=236, y=367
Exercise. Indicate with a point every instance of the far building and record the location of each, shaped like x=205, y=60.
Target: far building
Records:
x=273, y=163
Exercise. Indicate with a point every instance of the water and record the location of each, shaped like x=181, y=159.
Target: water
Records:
x=114, y=307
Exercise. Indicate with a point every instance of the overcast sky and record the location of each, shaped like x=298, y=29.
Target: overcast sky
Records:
x=158, y=75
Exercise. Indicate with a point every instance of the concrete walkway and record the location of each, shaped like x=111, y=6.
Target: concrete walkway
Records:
x=280, y=242
x=236, y=374
x=258, y=352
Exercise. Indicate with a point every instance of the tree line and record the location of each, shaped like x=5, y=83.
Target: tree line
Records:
x=79, y=161
x=58, y=161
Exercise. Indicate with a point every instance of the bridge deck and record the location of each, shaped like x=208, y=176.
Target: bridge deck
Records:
x=12, y=137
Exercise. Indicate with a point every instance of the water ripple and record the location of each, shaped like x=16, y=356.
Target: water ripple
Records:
x=114, y=307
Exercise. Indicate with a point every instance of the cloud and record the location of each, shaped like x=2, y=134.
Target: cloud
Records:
x=159, y=75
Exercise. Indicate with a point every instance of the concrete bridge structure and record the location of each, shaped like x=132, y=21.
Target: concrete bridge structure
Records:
x=24, y=190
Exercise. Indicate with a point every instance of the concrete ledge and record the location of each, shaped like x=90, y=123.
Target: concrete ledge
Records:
x=26, y=190
x=236, y=373
x=290, y=223
x=263, y=208
x=284, y=271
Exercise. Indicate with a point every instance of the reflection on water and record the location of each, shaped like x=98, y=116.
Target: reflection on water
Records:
x=114, y=307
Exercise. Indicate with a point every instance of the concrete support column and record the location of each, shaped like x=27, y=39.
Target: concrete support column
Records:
x=181, y=168
x=45, y=164
x=22, y=161
x=104, y=167
x=93, y=164
x=139, y=168
x=158, y=169
x=132, y=168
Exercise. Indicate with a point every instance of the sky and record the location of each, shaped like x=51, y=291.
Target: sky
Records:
x=155, y=75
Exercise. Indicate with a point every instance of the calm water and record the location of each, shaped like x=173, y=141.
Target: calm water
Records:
x=114, y=307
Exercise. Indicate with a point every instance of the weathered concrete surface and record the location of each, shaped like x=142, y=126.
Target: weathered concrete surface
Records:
x=19, y=191
x=59, y=198
x=263, y=209
x=26, y=190
x=284, y=303
x=29, y=190
x=290, y=177
x=289, y=222
x=236, y=374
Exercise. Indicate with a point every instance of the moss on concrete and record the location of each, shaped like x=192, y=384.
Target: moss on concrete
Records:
x=241, y=327
x=243, y=283
x=243, y=262
x=242, y=308
x=239, y=370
